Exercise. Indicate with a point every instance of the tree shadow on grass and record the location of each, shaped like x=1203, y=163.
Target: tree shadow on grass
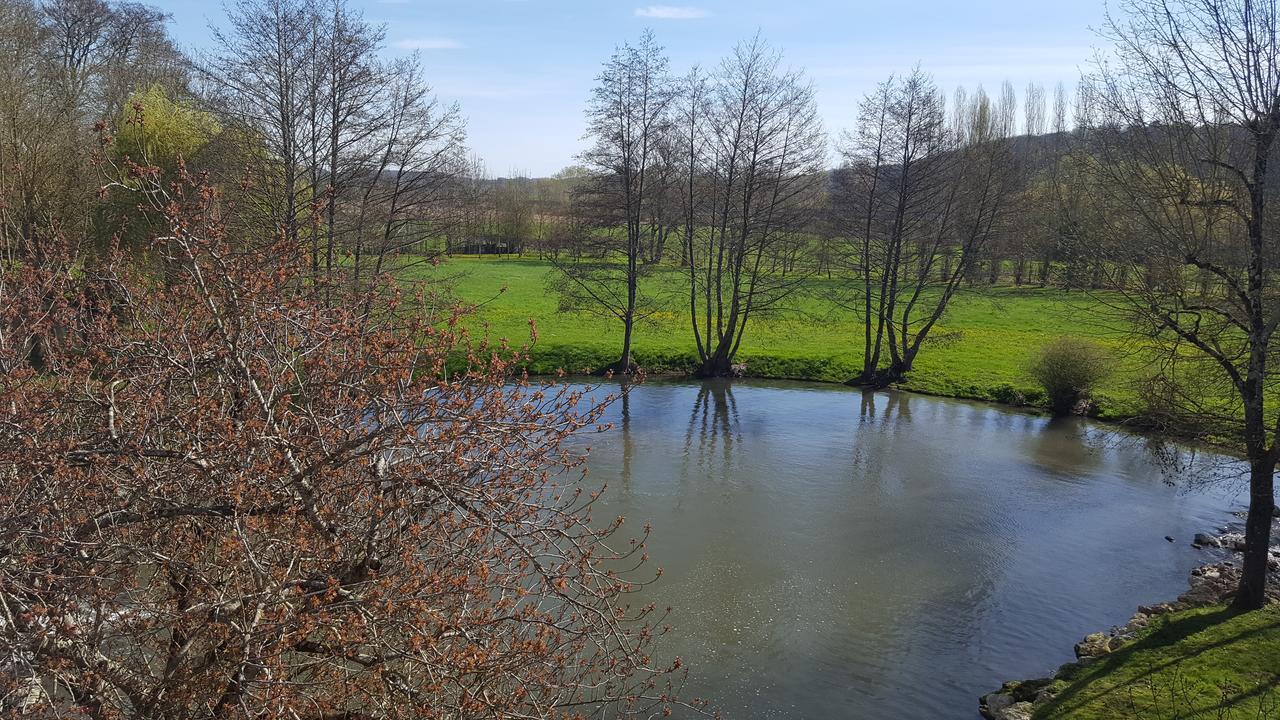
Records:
x=1181, y=688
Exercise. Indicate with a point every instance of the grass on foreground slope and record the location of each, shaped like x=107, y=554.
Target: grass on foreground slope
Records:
x=1210, y=663
x=980, y=349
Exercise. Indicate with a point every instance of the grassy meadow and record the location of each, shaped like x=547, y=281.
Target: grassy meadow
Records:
x=1206, y=663
x=980, y=349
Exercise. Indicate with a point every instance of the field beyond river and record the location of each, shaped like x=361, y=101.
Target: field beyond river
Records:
x=980, y=350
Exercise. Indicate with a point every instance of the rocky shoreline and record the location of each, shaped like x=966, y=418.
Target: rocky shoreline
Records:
x=1210, y=584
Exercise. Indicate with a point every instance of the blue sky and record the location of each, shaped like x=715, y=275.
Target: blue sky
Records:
x=522, y=69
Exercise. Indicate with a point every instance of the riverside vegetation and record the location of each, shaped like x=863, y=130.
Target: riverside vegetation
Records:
x=1186, y=661
x=990, y=335
x=1195, y=657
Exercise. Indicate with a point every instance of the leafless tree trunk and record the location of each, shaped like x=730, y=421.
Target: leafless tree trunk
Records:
x=513, y=203
x=408, y=195
x=974, y=210
x=754, y=147
x=626, y=120
x=925, y=201
x=355, y=150
x=261, y=80
x=864, y=153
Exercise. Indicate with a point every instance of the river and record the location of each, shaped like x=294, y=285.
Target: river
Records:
x=834, y=553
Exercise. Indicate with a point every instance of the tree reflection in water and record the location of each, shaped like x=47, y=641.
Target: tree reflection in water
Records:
x=713, y=424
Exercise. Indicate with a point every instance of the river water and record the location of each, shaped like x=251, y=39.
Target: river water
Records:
x=833, y=553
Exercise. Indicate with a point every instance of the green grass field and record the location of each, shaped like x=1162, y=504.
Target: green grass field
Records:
x=983, y=345
x=1210, y=663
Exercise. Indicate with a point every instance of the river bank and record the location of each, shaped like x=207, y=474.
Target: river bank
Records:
x=980, y=350
x=1115, y=671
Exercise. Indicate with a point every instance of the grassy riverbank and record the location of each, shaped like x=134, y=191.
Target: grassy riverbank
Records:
x=1205, y=663
x=979, y=351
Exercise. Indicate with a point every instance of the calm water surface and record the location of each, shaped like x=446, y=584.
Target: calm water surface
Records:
x=838, y=554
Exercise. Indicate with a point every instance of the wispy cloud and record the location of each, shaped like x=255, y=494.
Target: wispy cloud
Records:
x=671, y=12
x=428, y=43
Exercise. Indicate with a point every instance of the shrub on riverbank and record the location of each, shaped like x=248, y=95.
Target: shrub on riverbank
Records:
x=1068, y=369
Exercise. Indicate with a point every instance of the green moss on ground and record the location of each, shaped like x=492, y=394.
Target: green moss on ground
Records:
x=979, y=351
x=1205, y=663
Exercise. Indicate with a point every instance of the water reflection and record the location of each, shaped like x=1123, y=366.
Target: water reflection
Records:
x=896, y=406
x=713, y=422
x=628, y=444
x=1064, y=448
x=835, y=553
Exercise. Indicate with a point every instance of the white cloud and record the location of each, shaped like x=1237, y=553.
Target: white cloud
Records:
x=428, y=43
x=671, y=12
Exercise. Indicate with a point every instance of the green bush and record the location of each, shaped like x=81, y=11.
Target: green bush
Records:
x=1068, y=368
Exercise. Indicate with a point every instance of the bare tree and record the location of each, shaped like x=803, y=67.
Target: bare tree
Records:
x=662, y=204
x=1023, y=237
x=1185, y=120
x=1003, y=245
x=900, y=163
x=408, y=192
x=473, y=200
x=261, y=81
x=27, y=111
x=924, y=200
x=553, y=217
x=561, y=221
x=1055, y=203
x=751, y=147
x=626, y=120
x=140, y=54
x=1035, y=117
x=929, y=263
x=356, y=154
x=514, y=211
x=863, y=186
x=100, y=52
x=347, y=83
